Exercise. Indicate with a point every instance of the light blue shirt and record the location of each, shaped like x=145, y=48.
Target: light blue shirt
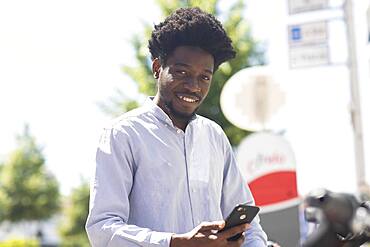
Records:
x=153, y=180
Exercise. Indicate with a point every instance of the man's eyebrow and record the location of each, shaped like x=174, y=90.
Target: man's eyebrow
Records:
x=188, y=66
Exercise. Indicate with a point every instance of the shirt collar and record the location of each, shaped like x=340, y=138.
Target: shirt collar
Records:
x=159, y=113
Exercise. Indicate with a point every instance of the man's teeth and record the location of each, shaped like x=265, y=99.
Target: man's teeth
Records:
x=184, y=98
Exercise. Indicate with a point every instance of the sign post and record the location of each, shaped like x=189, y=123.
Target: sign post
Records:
x=355, y=97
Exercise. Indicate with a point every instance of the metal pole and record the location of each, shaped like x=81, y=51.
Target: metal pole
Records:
x=355, y=95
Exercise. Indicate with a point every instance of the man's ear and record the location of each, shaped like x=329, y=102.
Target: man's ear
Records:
x=156, y=68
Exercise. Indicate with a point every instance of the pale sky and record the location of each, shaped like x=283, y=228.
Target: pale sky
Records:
x=59, y=58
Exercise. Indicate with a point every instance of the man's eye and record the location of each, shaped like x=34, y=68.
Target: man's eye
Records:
x=181, y=72
x=206, y=78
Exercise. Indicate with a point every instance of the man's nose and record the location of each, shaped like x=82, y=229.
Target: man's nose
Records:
x=192, y=85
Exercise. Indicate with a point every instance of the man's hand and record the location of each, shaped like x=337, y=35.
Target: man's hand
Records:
x=206, y=234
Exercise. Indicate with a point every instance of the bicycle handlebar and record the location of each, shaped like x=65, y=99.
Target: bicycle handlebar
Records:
x=343, y=220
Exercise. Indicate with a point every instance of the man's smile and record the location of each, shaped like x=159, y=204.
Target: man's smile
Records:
x=188, y=97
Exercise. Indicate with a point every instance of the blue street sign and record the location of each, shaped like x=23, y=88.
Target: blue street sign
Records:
x=296, y=33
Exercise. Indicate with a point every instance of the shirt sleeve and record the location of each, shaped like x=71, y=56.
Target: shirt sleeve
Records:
x=109, y=197
x=235, y=190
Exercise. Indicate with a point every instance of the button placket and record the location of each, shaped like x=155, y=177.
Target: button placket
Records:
x=195, y=190
x=191, y=187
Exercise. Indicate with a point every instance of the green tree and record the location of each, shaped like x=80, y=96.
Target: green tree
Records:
x=20, y=243
x=248, y=53
x=28, y=192
x=75, y=213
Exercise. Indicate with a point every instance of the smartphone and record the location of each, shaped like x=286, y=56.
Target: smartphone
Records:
x=241, y=214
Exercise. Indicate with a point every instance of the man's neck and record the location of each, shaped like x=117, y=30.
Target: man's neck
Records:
x=179, y=123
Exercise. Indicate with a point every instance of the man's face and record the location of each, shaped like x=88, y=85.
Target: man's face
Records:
x=184, y=81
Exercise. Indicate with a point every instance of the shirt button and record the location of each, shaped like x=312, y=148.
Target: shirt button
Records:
x=179, y=131
x=194, y=190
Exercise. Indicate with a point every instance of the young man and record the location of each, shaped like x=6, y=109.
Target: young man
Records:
x=164, y=175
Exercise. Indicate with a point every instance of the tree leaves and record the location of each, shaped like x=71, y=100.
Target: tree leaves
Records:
x=75, y=213
x=28, y=191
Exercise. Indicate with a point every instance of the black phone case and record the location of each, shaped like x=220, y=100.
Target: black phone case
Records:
x=241, y=214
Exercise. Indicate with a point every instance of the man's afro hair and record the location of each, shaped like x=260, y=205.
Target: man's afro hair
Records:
x=192, y=27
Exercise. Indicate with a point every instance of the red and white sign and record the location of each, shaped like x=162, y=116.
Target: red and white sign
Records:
x=268, y=165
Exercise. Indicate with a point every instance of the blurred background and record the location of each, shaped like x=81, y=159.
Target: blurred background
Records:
x=68, y=67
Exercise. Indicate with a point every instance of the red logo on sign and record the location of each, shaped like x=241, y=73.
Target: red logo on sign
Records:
x=274, y=188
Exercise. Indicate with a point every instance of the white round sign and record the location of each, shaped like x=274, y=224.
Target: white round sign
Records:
x=250, y=98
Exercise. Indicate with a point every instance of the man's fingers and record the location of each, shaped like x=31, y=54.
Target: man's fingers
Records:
x=232, y=231
x=238, y=242
x=214, y=225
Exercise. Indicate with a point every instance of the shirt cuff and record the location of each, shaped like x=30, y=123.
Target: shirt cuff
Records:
x=162, y=239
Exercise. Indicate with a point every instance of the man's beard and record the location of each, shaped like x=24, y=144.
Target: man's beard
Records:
x=180, y=115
